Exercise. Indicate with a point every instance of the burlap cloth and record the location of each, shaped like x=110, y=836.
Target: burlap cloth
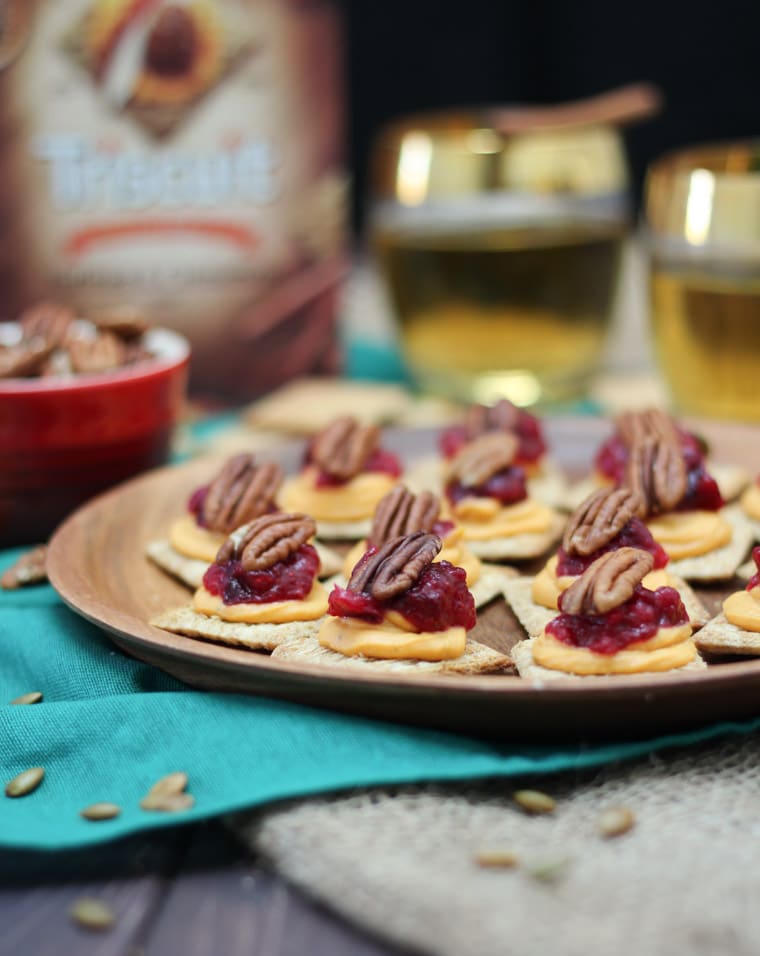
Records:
x=401, y=862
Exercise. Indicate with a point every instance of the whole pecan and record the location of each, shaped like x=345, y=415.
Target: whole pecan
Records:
x=126, y=321
x=401, y=512
x=396, y=566
x=607, y=583
x=240, y=492
x=263, y=542
x=483, y=457
x=599, y=519
x=342, y=449
x=633, y=427
x=25, y=359
x=47, y=321
x=101, y=354
x=656, y=473
x=502, y=416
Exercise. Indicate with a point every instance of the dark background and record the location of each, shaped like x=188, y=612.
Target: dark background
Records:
x=407, y=55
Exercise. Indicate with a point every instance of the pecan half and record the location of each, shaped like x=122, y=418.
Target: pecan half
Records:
x=25, y=359
x=634, y=427
x=263, y=542
x=101, y=354
x=126, y=321
x=343, y=448
x=656, y=473
x=502, y=416
x=30, y=568
x=47, y=321
x=240, y=492
x=482, y=458
x=401, y=512
x=599, y=519
x=607, y=583
x=396, y=566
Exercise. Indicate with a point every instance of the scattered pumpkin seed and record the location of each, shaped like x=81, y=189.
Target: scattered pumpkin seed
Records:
x=33, y=697
x=497, y=858
x=101, y=811
x=533, y=801
x=172, y=783
x=92, y=914
x=615, y=821
x=168, y=802
x=25, y=782
x=547, y=871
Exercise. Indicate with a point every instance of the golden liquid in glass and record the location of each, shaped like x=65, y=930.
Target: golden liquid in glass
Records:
x=707, y=333
x=516, y=313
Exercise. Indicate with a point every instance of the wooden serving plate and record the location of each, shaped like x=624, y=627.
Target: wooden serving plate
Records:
x=97, y=565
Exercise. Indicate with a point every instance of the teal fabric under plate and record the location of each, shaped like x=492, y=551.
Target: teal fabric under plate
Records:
x=109, y=726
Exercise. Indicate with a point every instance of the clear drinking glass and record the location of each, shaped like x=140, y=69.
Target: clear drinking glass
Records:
x=703, y=218
x=498, y=234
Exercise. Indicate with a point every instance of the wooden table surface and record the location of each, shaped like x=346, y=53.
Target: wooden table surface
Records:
x=189, y=890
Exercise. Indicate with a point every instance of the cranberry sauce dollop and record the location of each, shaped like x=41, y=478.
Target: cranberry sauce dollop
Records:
x=754, y=581
x=380, y=461
x=195, y=504
x=506, y=486
x=288, y=580
x=634, y=535
x=438, y=599
x=638, y=619
x=528, y=430
x=702, y=492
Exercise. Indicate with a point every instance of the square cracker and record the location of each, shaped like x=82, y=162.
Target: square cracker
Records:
x=722, y=562
x=522, y=654
x=477, y=659
x=256, y=637
x=519, y=547
x=534, y=617
x=719, y=636
x=190, y=571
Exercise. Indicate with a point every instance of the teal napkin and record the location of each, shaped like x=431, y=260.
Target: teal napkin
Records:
x=110, y=726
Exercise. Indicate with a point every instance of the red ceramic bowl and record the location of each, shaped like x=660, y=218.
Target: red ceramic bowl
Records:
x=64, y=440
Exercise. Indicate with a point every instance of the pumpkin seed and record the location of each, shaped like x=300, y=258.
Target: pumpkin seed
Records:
x=615, y=821
x=172, y=783
x=33, y=697
x=100, y=811
x=92, y=914
x=533, y=801
x=547, y=871
x=25, y=782
x=497, y=858
x=168, y=802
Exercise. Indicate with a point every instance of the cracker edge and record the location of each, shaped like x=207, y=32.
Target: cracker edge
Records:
x=256, y=637
x=720, y=636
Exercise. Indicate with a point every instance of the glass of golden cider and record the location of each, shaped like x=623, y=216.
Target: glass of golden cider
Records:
x=498, y=234
x=703, y=231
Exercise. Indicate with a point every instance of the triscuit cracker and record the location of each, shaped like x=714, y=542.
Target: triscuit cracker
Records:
x=721, y=563
x=190, y=571
x=477, y=659
x=307, y=405
x=577, y=493
x=534, y=617
x=719, y=636
x=491, y=583
x=256, y=637
x=519, y=547
x=522, y=655
x=731, y=479
x=344, y=530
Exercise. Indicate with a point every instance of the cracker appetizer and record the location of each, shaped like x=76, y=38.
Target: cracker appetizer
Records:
x=261, y=589
x=611, y=460
x=736, y=630
x=402, y=611
x=238, y=493
x=401, y=512
x=487, y=496
x=344, y=475
x=606, y=521
x=750, y=503
x=611, y=623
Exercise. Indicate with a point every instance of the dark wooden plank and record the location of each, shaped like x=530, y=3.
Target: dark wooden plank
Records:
x=130, y=876
x=223, y=902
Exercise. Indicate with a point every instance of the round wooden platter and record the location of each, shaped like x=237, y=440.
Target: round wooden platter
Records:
x=97, y=565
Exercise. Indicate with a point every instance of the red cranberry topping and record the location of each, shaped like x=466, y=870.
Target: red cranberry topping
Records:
x=528, y=430
x=754, y=581
x=380, y=461
x=637, y=620
x=288, y=580
x=195, y=504
x=612, y=457
x=439, y=599
x=702, y=492
x=442, y=528
x=506, y=486
x=634, y=535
